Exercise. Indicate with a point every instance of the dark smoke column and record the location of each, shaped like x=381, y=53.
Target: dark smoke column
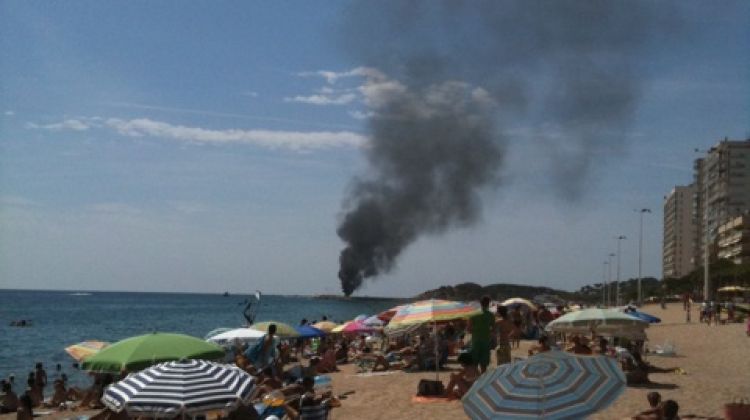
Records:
x=431, y=150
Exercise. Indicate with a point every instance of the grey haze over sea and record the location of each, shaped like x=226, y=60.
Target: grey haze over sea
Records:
x=62, y=318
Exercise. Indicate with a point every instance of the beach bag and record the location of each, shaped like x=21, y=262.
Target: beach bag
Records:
x=737, y=410
x=428, y=388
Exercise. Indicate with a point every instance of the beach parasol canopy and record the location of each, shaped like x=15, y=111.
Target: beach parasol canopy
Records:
x=326, y=326
x=282, y=329
x=733, y=289
x=136, y=353
x=642, y=316
x=340, y=328
x=85, y=349
x=182, y=388
x=388, y=314
x=373, y=322
x=243, y=335
x=433, y=310
x=357, y=327
x=603, y=321
x=517, y=301
x=307, y=331
x=551, y=385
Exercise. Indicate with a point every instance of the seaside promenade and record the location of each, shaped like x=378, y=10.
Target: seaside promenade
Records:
x=714, y=358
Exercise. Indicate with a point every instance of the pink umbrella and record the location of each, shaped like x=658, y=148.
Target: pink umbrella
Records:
x=358, y=327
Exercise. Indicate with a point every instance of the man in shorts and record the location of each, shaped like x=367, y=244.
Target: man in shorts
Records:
x=482, y=327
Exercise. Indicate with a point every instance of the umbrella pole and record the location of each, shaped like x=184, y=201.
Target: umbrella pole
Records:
x=437, y=353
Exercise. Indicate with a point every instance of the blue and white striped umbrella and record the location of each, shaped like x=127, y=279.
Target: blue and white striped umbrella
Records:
x=551, y=385
x=186, y=387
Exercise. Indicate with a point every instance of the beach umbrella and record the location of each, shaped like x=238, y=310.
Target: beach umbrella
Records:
x=733, y=289
x=243, y=335
x=307, y=331
x=519, y=302
x=326, y=326
x=642, y=316
x=217, y=331
x=180, y=388
x=603, y=321
x=433, y=310
x=85, y=349
x=282, y=329
x=550, y=385
x=361, y=317
x=388, y=313
x=374, y=322
x=340, y=328
x=357, y=327
x=136, y=353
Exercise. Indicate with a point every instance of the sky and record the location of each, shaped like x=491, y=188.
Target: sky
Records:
x=210, y=147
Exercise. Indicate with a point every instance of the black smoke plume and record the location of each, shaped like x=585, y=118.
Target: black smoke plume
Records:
x=446, y=79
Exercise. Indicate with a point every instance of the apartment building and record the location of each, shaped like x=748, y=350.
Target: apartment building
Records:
x=679, y=232
x=722, y=180
x=733, y=241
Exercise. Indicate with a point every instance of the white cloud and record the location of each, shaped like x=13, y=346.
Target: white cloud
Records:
x=9, y=113
x=293, y=140
x=69, y=124
x=332, y=76
x=323, y=99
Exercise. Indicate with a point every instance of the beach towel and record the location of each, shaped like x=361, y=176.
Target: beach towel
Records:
x=418, y=399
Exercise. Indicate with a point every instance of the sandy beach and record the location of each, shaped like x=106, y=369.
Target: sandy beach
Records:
x=714, y=359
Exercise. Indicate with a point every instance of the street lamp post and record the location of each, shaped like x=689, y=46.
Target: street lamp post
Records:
x=640, y=255
x=604, y=283
x=617, y=286
x=609, y=278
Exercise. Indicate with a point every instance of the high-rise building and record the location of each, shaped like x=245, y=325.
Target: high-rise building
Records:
x=679, y=232
x=733, y=242
x=722, y=180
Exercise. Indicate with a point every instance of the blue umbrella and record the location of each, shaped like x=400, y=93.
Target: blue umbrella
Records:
x=306, y=331
x=551, y=385
x=643, y=316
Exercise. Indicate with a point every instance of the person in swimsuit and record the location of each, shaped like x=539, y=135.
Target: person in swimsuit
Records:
x=504, y=328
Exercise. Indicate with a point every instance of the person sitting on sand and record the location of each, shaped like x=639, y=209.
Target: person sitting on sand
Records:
x=25, y=410
x=378, y=359
x=578, y=347
x=654, y=411
x=60, y=395
x=9, y=400
x=461, y=381
x=328, y=360
x=541, y=346
x=603, y=348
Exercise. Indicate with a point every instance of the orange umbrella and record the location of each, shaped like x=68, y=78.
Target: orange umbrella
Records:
x=85, y=349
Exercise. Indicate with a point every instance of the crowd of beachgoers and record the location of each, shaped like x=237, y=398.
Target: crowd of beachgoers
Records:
x=290, y=373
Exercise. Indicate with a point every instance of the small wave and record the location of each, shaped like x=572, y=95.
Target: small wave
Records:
x=80, y=294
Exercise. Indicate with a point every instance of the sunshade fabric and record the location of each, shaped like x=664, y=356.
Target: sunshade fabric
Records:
x=307, y=331
x=432, y=310
x=239, y=334
x=85, y=349
x=519, y=301
x=282, y=329
x=136, y=353
x=599, y=320
x=551, y=385
x=185, y=387
x=326, y=326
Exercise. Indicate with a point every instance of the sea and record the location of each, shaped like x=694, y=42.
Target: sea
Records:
x=62, y=318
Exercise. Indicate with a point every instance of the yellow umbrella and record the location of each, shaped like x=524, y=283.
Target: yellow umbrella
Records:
x=85, y=349
x=282, y=329
x=341, y=327
x=326, y=326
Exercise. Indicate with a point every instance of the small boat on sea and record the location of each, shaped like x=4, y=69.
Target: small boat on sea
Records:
x=226, y=294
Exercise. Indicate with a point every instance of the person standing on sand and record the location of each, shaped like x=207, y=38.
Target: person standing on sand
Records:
x=481, y=327
x=504, y=328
